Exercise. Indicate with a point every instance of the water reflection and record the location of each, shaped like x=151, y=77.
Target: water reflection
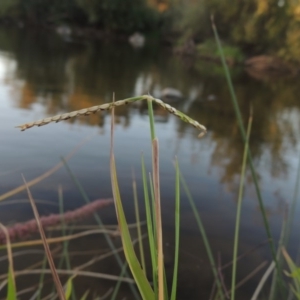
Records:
x=65, y=76
x=70, y=76
x=46, y=76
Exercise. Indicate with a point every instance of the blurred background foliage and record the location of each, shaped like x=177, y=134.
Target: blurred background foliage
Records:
x=254, y=26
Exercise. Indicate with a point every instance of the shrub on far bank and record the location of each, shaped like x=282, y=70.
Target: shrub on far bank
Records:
x=257, y=27
x=120, y=15
x=108, y=15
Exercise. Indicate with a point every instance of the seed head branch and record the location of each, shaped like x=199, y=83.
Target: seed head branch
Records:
x=108, y=106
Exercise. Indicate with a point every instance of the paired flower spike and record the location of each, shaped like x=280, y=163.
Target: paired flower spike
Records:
x=107, y=106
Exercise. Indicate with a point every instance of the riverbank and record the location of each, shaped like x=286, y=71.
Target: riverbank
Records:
x=184, y=28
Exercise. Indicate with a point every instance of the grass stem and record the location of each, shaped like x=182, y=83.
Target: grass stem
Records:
x=244, y=136
x=238, y=213
x=177, y=231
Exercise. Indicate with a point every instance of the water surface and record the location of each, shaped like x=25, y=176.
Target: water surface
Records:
x=42, y=75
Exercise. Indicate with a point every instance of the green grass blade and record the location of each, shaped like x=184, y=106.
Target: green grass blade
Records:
x=139, y=231
x=100, y=223
x=41, y=281
x=275, y=277
x=166, y=294
x=151, y=119
x=134, y=265
x=156, y=190
x=149, y=219
x=63, y=228
x=238, y=212
x=118, y=285
x=177, y=231
x=293, y=207
x=263, y=280
x=243, y=133
x=11, y=284
x=153, y=210
x=69, y=287
x=11, y=288
x=65, y=243
x=84, y=296
x=295, y=273
x=204, y=237
x=155, y=269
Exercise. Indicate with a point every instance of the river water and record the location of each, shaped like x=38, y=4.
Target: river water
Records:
x=42, y=74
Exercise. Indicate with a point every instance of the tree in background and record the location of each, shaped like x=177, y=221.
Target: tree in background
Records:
x=112, y=15
x=255, y=26
x=120, y=15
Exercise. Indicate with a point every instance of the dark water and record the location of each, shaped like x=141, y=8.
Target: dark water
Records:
x=42, y=75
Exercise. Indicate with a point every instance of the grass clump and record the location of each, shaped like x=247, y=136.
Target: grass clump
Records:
x=154, y=219
x=157, y=287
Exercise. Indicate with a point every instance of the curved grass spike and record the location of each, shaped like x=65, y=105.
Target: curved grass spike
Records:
x=107, y=106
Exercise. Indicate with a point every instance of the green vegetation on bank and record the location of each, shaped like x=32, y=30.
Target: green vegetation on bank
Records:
x=116, y=15
x=253, y=27
x=257, y=26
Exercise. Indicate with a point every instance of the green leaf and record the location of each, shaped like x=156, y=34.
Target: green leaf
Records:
x=295, y=274
x=177, y=231
x=69, y=287
x=135, y=267
x=151, y=234
x=11, y=288
x=85, y=295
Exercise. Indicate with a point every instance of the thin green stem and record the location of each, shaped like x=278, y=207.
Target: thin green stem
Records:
x=243, y=133
x=293, y=207
x=118, y=285
x=42, y=277
x=153, y=210
x=63, y=229
x=275, y=276
x=153, y=249
x=151, y=119
x=238, y=212
x=204, y=237
x=177, y=231
x=128, y=247
x=139, y=231
x=156, y=186
x=100, y=223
